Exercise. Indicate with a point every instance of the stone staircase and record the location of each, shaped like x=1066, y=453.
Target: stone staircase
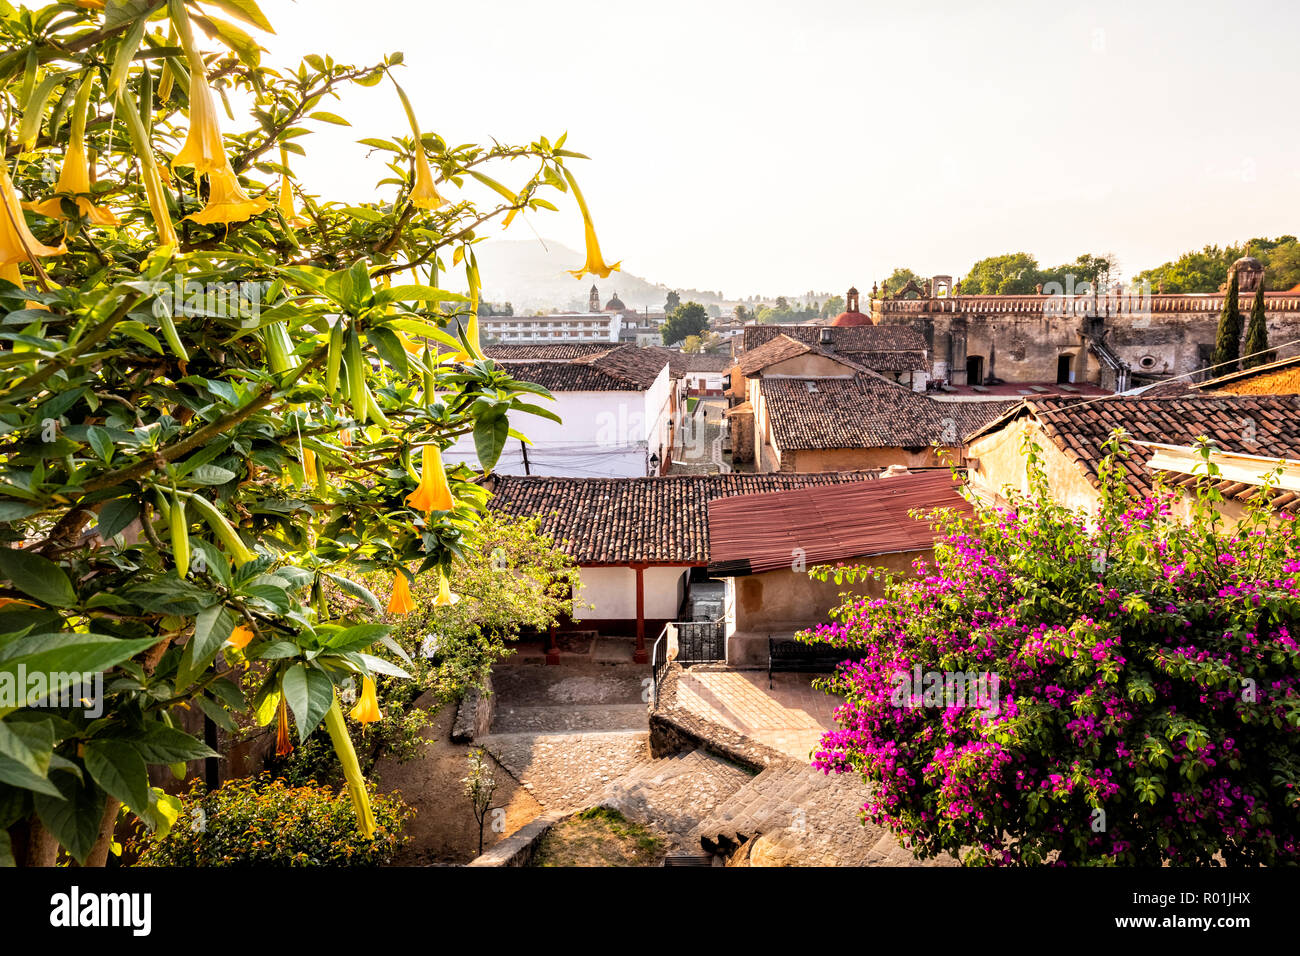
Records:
x=798, y=816
x=674, y=794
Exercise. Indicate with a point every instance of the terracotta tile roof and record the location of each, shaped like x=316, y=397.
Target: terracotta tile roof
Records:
x=867, y=412
x=625, y=520
x=709, y=362
x=856, y=338
x=677, y=361
x=1275, y=378
x=750, y=534
x=560, y=351
x=1251, y=424
x=901, y=360
x=618, y=368
x=781, y=348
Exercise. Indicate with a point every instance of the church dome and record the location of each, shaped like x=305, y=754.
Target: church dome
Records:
x=851, y=318
x=615, y=304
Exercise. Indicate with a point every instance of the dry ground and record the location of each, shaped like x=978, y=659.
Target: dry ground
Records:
x=443, y=830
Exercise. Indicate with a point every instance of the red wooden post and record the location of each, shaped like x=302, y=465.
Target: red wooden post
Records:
x=640, y=657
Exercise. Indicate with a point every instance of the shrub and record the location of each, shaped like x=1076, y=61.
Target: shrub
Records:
x=1143, y=673
x=260, y=821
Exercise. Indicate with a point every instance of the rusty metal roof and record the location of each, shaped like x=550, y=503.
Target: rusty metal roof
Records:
x=749, y=534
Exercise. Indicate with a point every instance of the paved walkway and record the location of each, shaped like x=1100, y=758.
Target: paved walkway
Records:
x=791, y=717
x=566, y=732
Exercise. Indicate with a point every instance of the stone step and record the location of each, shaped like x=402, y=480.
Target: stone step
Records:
x=775, y=798
x=580, y=717
x=674, y=794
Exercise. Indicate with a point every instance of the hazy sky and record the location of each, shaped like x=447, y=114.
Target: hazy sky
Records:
x=760, y=147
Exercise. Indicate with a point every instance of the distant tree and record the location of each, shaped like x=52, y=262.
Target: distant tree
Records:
x=715, y=310
x=1014, y=273
x=1096, y=270
x=690, y=318
x=1283, y=267
x=782, y=304
x=1206, y=270
x=1227, y=346
x=1257, y=350
x=693, y=344
x=901, y=277
x=832, y=307
x=509, y=309
x=742, y=314
x=672, y=301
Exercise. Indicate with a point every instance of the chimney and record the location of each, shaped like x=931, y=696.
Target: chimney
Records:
x=826, y=339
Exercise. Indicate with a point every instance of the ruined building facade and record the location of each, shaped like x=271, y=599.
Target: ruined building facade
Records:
x=1117, y=339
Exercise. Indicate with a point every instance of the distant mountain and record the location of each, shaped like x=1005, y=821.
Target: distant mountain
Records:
x=532, y=278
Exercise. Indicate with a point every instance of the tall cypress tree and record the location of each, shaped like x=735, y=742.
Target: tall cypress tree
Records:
x=1257, y=350
x=1227, y=346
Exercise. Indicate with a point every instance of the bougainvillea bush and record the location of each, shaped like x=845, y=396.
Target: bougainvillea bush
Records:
x=1147, y=706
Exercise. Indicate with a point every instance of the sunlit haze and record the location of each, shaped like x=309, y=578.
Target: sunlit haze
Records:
x=768, y=148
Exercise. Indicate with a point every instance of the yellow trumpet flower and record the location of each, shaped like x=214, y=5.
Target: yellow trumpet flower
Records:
x=445, y=597
x=227, y=201
x=203, y=148
x=423, y=193
x=367, y=709
x=595, y=263
x=17, y=244
x=240, y=636
x=432, y=493
x=283, y=742
x=286, y=195
x=400, y=602
x=74, y=176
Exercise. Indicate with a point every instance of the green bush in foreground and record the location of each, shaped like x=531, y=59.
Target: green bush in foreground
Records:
x=265, y=822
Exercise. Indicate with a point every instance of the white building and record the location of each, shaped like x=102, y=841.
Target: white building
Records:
x=557, y=327
x=616, y=407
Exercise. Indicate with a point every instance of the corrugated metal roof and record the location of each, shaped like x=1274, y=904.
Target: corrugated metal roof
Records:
x=749, y=534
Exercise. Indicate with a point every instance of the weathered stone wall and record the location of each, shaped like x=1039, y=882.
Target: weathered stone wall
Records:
x=1025, y=346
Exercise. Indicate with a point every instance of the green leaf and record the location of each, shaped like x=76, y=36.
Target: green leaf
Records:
x=38, y=577
x=490, y=439
x=325, y=117
x=116, y=514
x=309, y=693
x=247, y=11
x=119, y=769
x=126, y=50
x=212, y=626
x=416, y=293
x=209, y=475
x=102, y=444
x=358, y=591
x=64, y=657
x=25, y=758
x=163, y=744
x=74, y=817
x=356, y=637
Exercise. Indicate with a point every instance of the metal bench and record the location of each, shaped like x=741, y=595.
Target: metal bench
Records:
x=787, y=655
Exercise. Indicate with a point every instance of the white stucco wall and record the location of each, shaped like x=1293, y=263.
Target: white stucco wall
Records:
x=611, y=592
x=600, y=435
